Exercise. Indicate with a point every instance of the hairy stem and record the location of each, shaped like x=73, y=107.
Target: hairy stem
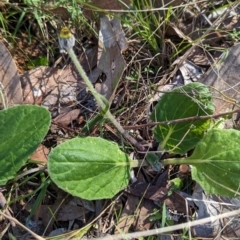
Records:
x=172, y=161
x=98, y=98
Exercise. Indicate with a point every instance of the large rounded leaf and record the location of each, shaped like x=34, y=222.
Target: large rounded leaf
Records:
x=216, y=162
x=22, y=128
x=90, y=168
x=191, y=100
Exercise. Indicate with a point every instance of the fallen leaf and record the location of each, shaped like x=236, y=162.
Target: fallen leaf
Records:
x=110, y=59
x=10, y=83
x=224, y=81
x=40, y=154
x=143, y=221
x=190, y=72
x=212, y=205
x=60, y=12
x=88, y=59
x=49, y=86
x=120, y=36
x=49, y=213
x=200, y=57
x=67, y=117
x=111, y=4
x=37, y=83
x=127, y=217
x=56, y=232
x=67, y=212
x=160, y=195
x=105, y=5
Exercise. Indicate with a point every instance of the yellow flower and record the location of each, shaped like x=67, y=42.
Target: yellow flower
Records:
x=66, y=39
x=65, y=33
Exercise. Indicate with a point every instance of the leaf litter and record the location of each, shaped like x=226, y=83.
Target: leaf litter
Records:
x=49, y=86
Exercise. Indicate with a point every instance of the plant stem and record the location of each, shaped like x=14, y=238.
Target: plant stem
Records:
x=171, y=161
x=85, y=77
x=138, y=163
x=98, y=98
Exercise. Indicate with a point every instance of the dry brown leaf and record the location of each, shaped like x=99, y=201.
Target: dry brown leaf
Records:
x=57, y=232
x=127, y=217
x=66, y=212
x=37, y=83
x=143, y=221
x=10, y=83
x=110, y=4
x=67, y=117
x=3, y=2
x=119, y=34
x=88, y=59
x=60, y=12
x=140, y=219
x=199, y=56
x=224, y=79
x=110, y=61
x=46, y=213
x=160, y=195
x=211, y=206
x=40, y=154
x=47, y=86
x=105, y=5
x=176, y=202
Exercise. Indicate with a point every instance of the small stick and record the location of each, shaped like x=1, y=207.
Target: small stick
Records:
x=159, y=231
x=21, y=225
x=3, y=203
x=194, y=118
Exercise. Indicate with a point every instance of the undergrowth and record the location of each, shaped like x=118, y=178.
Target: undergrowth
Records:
x=152, y=51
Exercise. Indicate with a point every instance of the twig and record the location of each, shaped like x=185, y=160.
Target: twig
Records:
x=171, y=228
x=201, y=12
x=21, y=225
x=194, y=118
x=3, y=203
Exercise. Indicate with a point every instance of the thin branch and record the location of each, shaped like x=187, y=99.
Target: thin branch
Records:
x=180, y=120
x=159, y=231
x=22, y=226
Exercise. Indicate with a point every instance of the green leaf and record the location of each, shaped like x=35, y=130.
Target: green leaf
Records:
x=216, y=162
x=191, y=100
x=22, y=128
x=90, y=168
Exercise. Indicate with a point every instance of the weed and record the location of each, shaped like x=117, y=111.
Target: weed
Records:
x=76, y=168
x=144, y=24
